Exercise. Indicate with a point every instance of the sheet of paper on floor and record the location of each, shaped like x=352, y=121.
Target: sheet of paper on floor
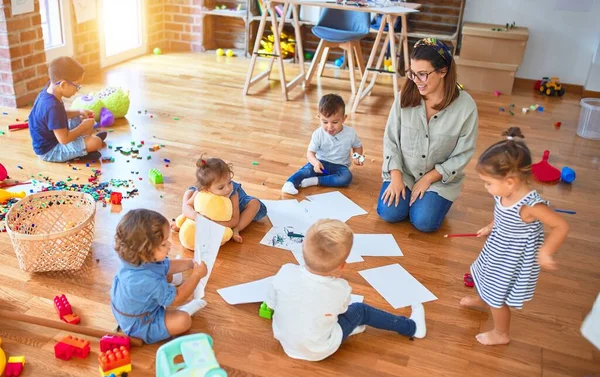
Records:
x=375, y=245
x=333, y=205
x=397, y=286
x=256, y=291
x=279, y=237
x=207, y=243
x=287, y=213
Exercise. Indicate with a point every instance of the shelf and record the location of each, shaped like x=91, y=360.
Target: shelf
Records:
x=227, y=13
x=287, y=21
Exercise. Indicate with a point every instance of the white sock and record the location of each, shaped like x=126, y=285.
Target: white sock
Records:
x=193, y=306
x=358, y=330
x=418, y=315
x=289, y=188
x=307, y=182
x=177, y=279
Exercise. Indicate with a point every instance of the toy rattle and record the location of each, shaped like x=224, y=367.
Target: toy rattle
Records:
x=360, y=157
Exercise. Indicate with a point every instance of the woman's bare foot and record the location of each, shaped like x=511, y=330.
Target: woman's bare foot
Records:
x=473, y=302
x=237, y=238
x=174, y=228
x=492, y=338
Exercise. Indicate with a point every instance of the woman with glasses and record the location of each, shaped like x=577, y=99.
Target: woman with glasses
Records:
x=429, y=139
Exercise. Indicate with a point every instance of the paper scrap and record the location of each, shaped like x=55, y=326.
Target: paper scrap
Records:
x=283, y=237
x=207, y=243
x=287, y=213
x=397, y=286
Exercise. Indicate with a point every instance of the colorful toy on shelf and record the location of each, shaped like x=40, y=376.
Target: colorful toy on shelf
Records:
x=117, y=362
x=265, y=312
x=288, y=46
x=116, y=197
x=308, y=55
x=550, y=86
x=14, y=366
x=116, y=100
x=6, y=195
x=567, y=175
x=155, y=176
x=110, y=342
x=2, y=358
x=198, y=358
x=70, y=346
x=64, y=310
x=339, y=62
x=543, y=171
x=468, y=280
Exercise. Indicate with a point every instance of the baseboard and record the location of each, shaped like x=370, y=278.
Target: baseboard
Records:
x=529, y=84
x=590, y=94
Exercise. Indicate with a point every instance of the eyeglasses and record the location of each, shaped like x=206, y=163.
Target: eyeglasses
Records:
x=77, y=86
x=422, y=76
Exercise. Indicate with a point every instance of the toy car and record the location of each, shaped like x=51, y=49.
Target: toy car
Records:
x=551, y=87
x=469, y=282
x=198, y=358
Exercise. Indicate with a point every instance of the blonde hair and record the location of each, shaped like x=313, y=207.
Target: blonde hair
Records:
x=139, y=233
x=327, y=245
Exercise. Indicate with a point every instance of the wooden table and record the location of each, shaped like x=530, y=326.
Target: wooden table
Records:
x=390, y=15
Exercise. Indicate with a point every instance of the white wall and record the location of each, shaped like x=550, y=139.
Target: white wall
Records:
x=561, y=42
x=593, y=79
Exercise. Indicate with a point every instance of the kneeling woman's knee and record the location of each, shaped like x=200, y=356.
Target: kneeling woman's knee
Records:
x=425, y=223
x=390, y=214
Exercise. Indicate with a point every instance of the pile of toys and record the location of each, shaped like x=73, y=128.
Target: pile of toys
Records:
x=288, y=46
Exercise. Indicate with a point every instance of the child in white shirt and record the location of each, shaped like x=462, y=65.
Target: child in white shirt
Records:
x=313, y=315
x=329, y=150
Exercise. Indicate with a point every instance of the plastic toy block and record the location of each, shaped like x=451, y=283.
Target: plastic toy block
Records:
x=114, y=359
x=17, y=359
x=265, y=312
x=64, y=310
x=468, y=280
x=155, y=176
x=108, y=159
x=110, y=342
x=71, y=346
x=14, y=368
x=122, y=371
x=126, y=152
x=92, y=179
x=557, y=124
x=116, y=197
x=154, y=148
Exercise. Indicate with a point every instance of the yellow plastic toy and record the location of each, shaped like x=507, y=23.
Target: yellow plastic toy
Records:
x=2, y=359
x=214, y=207
x=229, y=53
x=220, y=52
x=6, y=195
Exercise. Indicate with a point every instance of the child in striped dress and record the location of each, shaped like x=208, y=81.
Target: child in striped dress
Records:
x=507, y=270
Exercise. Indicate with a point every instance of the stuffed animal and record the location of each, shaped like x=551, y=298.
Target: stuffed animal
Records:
x=215, y=207
x=116, y=100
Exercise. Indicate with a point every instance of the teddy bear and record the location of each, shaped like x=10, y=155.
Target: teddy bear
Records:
x=214, y=207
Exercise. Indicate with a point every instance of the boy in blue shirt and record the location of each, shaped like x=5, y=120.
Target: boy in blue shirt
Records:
x=57, y=134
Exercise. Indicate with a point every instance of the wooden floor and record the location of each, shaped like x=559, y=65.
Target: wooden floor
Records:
x=204, y=92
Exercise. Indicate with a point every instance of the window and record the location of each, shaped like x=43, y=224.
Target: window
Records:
x=56, y=28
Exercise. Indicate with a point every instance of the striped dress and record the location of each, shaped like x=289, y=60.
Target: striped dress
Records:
x=506, y=271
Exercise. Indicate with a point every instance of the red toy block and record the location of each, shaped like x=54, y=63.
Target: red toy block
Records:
x=71, y=346
x=114, y=359
x=468, y=279
x=116, y=197
x=64, y=310
x=110, y=342
x=13, y=369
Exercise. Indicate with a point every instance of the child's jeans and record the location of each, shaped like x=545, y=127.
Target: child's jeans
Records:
x=67, y=152
x=337, y=175
x=359, y=314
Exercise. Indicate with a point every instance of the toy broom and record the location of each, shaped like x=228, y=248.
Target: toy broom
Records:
x=543, y=171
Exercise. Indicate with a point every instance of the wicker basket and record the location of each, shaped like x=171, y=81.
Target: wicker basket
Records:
x=52, y=231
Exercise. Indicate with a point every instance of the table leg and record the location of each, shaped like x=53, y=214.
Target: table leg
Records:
x=249, y=79
x=405, y=41
x=392, y=37
x=277, y=48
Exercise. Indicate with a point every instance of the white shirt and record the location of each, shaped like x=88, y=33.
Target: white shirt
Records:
x=335, y=149
x=306, y=312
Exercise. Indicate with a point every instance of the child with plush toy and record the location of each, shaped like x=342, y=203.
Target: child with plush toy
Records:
x=217, y=197
x=57, y=134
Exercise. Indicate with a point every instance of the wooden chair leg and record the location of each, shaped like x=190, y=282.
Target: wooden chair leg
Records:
x=351, y=67
x=323, y=60
x=360, y=60
x=314, y=63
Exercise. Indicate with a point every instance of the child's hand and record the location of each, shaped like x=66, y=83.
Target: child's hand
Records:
x=483, y=232
x=200, y=269
x=318, y=168
x=85, y=113
x=546, y=261
x=87, y=127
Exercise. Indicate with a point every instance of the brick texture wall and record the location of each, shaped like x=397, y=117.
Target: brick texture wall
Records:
x=184, y=25
x=86, y=44
x=156, y=24
x=23, y=70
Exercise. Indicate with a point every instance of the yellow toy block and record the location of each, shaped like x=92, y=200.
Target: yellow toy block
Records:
x=17, y=359
x=117, y=371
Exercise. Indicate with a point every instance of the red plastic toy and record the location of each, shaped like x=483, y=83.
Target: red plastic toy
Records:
x=18, y=126
x=71, y=346
x=543, y=171
x=114, y=359
x=116, y=197
x=468, y=279
x=14, y=366
x=63, y=308
x=110, y=342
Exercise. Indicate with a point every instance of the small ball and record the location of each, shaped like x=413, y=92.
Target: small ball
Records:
x=220, y=52
x=229, y=53
x=157, y=51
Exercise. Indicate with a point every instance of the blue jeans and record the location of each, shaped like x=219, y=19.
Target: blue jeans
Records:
x=337, y=175
x=425, y=214
x=359, y=314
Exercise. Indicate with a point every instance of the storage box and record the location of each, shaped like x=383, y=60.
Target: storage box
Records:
x=484, y=76
x=480, y=42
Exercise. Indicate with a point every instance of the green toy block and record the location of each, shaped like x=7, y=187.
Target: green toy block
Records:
x=155, y=176
x=265, y=312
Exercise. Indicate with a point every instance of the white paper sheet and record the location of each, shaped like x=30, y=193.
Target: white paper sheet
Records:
x=85, y=10
x=279, y=237
x=21, y=6
x=375, y=245
x=333, y=205
x=207, y=243
x=397, y=286
x=256, y=291
x=287, y=213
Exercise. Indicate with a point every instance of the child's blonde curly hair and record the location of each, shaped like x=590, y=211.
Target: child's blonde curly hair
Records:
x=139, y=233
x=327, y=245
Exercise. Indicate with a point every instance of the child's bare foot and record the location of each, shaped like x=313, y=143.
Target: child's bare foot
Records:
x=174, y=228
x=492, y=338
x=473, y=302
x=237, y=238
